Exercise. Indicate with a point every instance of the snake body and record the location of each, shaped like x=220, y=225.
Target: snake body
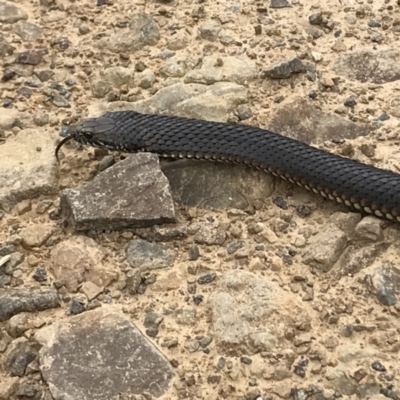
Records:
x=359, y=186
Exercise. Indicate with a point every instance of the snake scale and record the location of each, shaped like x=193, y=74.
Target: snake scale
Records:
x=361, y=187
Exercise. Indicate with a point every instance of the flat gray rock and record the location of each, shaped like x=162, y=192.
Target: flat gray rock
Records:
x=133, y=193
x=302, y=121
x=14, y=301
x=212, y=102
x=28, y=167
x=99, y=355
x=207, y=184
x=368, y=65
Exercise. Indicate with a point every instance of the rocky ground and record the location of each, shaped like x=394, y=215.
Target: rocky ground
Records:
x=125, y=278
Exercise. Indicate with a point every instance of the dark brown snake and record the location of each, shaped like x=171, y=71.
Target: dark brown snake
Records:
x=361, y=187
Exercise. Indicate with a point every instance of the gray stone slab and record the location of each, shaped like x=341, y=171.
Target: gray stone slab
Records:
x=99, y=355
x=133, y=193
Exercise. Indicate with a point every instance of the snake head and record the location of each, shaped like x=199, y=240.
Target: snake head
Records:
x=93, y=131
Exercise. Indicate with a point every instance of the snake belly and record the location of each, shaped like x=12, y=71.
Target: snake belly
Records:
x=360, y=186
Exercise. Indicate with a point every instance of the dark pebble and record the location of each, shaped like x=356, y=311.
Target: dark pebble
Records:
x=7, y=102
x=245, y=360
x=198, y=298
x=6, y=249
x=315, y=19
x=76, y=307
x=258, y=30
x=303, y=211
x=206, y=351
x=142, y=288
x=374, y=24
x=280, y=202
x=377, y=366
x=313, y=94
x=243, y=113
x=194, y=253
x=153, y=319
x=384, y=117
x=234, y=246
x=70, y=82
x=337, y=33
x=28, y=391
x=279, y=4
x=8, y=75
x=208, y=277
x=152, y=332
x=298, y=370
x=389, y=393
x=40, y=275
x=350, y=102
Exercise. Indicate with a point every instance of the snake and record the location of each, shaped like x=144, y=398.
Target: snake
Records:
x=361, y=187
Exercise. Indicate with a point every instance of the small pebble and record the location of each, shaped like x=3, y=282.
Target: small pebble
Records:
x=76, y=307
x=40, y=275
x=377, y=366
x=208, y=277
x=280, y=202
x=350, y=101
x=374, y=24
x=313, y=94
x=383, y=117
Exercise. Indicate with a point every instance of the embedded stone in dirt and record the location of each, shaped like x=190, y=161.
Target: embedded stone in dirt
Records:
x=28, y=167
x=247, y=312
x=148, y=256
x=101, y=354
x=80, y=259
x=223, y=68
x=368, y=65
x=10, y=13
x=133, y=193
x=211, y=103
x=302, y=121
x=14, y=301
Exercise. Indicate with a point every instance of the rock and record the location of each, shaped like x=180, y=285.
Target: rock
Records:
x=212, y=103
x=66, y=344
x=28, y=154
x=142, y=31
x=369, y=228
x=354, y=260
x=104, y=81
x=210, y=235
x=280, y=4
x=31, y=57
x=325, y=248
x=78, y=260
x=223, y=69
x=339, y=46
x=28, y=31
x=107, y=202
x=207, y=184
x=10, y=13
x=14, y=301
x=178, y=41
x=302, y=121
x=246, y=312
x=369, y=65
x=209, y=30
x=173, y=68
x=386, y=281
x=148, y=256
x=5, y=47
x=18, y=359
x=36, y=235
x=285, y=69
x=146, y=79
x=341, y=381
x=8, y=387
